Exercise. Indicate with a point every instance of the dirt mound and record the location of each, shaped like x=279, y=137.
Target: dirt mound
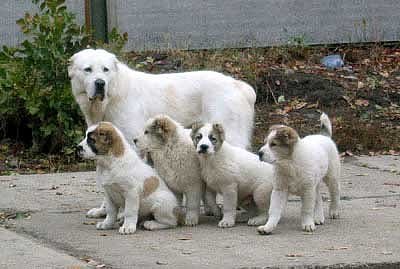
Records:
x=310, y=87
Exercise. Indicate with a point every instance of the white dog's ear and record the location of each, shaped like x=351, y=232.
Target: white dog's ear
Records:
x=116, y=62
x=71, y=72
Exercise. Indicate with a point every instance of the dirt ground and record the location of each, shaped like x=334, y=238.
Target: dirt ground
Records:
x=362, y=98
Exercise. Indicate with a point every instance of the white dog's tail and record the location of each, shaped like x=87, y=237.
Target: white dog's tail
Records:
x=326, y=125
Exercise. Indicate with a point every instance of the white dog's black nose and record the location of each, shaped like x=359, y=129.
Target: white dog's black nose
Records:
x=203, y=148
x=99, y=88
x=260, y=155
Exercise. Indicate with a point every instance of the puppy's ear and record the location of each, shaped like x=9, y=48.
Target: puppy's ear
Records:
x=164, y=127
x=219, y=131
x=195, y=128
x=108, y=139
x=287, y=136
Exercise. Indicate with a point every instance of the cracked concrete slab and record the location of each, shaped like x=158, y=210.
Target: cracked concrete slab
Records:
x=367, y=234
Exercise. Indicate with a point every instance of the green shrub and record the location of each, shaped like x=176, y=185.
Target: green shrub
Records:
x=36, y=102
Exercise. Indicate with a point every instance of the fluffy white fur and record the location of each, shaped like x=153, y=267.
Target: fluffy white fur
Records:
x=124, y=188
x=175, y=159
x=128, y=98
x=300, y=166
x=238, y=175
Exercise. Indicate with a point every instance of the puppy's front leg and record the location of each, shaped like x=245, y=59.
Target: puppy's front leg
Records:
x=111, y=218
x=210, y=201
x=132, y=202
x=98, y=212
x=307, y=209
x=230, y=196
x=193, y=198
x=278, y=204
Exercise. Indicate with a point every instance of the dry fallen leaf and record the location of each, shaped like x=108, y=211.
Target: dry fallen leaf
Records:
x=338, y=248
x=161, y=262
x=89, y=222
x=294, y=255
x=392, y=184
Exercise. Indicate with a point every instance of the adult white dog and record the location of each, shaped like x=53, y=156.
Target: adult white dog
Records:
x=107, y=89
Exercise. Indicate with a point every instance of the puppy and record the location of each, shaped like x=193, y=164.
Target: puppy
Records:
x=233, y=172
x=175, y=159
x=130, y=184
x=300, y=166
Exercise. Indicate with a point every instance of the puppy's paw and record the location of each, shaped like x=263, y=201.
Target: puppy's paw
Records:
x=226, y=223
x=319, y=219
x=258, y=220
x=334, y=214
x=102, y=225
x=308, y=227
x=127, y=229
x=265, y=229
x=96, y=212
x=191, y=219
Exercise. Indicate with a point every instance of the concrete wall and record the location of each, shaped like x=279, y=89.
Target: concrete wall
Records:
x=243, y=23
x=193, y=24
x=12, y=10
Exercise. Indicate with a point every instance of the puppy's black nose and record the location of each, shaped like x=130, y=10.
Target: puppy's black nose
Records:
x=78, y=151
x=260, y=155
x=79, y=148
x=135, y=140
x=203, y=148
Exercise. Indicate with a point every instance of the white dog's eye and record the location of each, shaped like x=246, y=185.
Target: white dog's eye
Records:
x=146, y=132
x=88, y=69
x=198, y=137
x=105, y=69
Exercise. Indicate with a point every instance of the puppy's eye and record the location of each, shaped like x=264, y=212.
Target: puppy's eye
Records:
x=105, y=69
x=198, y=137
x=272, y=144
x=146, y=132
x=88, y=69
x=212, y=139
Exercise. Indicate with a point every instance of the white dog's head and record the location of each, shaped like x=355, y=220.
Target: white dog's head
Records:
x=207, y=138
x=102, y=139
x=278, y=144
x=92, y=73
x=158, y=131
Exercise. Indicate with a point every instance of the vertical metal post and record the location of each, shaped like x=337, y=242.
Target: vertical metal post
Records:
x=96, y=18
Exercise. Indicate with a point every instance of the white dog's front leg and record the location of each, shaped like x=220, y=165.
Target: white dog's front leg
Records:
x=193, y=198
x=230, y=196
x=98, y=212
x=307, y=209
x=111, y=218
x=132, y=202
x=278, y=204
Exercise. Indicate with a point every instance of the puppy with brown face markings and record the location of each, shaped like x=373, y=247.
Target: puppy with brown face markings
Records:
x=131, y=184
x=236, y=174
x=175, y=160
x=300, y=167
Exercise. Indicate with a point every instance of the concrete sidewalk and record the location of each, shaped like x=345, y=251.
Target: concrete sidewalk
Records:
x=366, y=236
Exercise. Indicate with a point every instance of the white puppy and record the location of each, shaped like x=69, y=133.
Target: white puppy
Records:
x=175, y=159
x=300, y=165
x=233, y=172
x=130, y=183
x=107, y=89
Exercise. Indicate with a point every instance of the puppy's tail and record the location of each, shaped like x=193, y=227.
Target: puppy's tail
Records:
x=326, y=125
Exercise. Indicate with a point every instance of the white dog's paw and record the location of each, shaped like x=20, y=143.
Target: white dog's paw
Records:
x=265, y=229
x=258, y=220
x=226, y=223
x=334, y=214
x=127, y=228
x=96, y=212
x=191, y=219
x=308, y=226
x=102, y=225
